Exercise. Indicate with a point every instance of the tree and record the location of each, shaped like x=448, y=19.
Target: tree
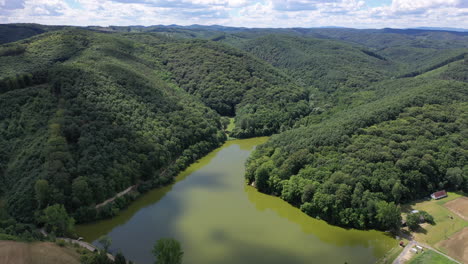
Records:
x=308, y=193
x=398, y=191
x=99, y=257
x=81, y=192
x=120, y=259
x=388, y=215
x=56, y=219
x=454, y=177
x=41, y=189
x=168, y=251
x=105, y=242
x=262, y=176
x=427, y=217
x=412, y=220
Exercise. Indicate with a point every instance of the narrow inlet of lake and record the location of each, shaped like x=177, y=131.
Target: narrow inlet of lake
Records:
x=218, y=219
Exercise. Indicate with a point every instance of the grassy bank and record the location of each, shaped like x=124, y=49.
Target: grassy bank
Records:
x=430, y=257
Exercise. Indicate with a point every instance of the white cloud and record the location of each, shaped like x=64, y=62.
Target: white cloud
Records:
x=426, y=4
x=257, y=13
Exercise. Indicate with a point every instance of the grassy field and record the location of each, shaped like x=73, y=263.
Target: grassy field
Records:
x=429, y=257
x=12, y=252
x=390, y=256
x=447, y=223
x=456, y=246
x=231, y=125
x=459, y=206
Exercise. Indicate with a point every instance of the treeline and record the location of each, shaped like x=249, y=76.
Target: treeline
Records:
x=355, y=167
x=16, y=82
x=435, y=66
x=457, y=71
x=12, y=50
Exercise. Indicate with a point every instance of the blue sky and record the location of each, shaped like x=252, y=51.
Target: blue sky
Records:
x=256, y=13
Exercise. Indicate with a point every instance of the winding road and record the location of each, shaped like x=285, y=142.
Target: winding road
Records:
x=120, y=194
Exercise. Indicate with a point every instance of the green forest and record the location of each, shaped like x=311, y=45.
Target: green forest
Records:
x=361, y=120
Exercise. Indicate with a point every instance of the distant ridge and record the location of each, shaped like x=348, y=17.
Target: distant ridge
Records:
x=442, y=29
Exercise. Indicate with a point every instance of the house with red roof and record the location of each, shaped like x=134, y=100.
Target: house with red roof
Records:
x=439, y=195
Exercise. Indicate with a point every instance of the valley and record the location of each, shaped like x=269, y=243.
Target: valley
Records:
x=246, y=145
x=219, y=219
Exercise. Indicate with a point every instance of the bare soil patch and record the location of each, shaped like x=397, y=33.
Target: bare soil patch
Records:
x=12, y=252
x=406, y=256
x=459, y=206
x=457, y=246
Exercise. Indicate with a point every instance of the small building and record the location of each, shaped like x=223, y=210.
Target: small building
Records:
x=439, y=195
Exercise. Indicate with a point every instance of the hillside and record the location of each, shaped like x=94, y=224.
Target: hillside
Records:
x=326, y=64
x=413, y=50
x=92, y=114
x=457, y=70
x=364, y=119
x=234, y=83
x=355, y=165
x=15, y=32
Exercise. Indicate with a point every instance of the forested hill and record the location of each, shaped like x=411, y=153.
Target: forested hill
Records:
x=354, y=167
x=86, y=114
x=325, y=64
x=365, y=119
x=234, y=83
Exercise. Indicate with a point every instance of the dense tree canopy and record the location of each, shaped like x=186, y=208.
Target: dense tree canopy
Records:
x=99, y=123
x=234, y=83
x=168, y=251
x=354, y=175
x=367, y=119
x=56, y=220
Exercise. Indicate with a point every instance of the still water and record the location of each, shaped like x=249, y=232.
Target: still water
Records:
x=218, y=219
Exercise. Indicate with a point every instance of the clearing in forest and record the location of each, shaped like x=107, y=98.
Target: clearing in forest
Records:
x=447, y=222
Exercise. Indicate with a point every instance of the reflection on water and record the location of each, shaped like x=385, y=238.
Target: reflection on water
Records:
x=218, y=219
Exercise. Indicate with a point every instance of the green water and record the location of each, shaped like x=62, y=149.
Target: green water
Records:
x=218, y=219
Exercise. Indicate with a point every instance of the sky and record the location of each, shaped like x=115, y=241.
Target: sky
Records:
x=255, y=13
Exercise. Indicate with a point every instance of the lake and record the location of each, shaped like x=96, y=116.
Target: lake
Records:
x=219, y=219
